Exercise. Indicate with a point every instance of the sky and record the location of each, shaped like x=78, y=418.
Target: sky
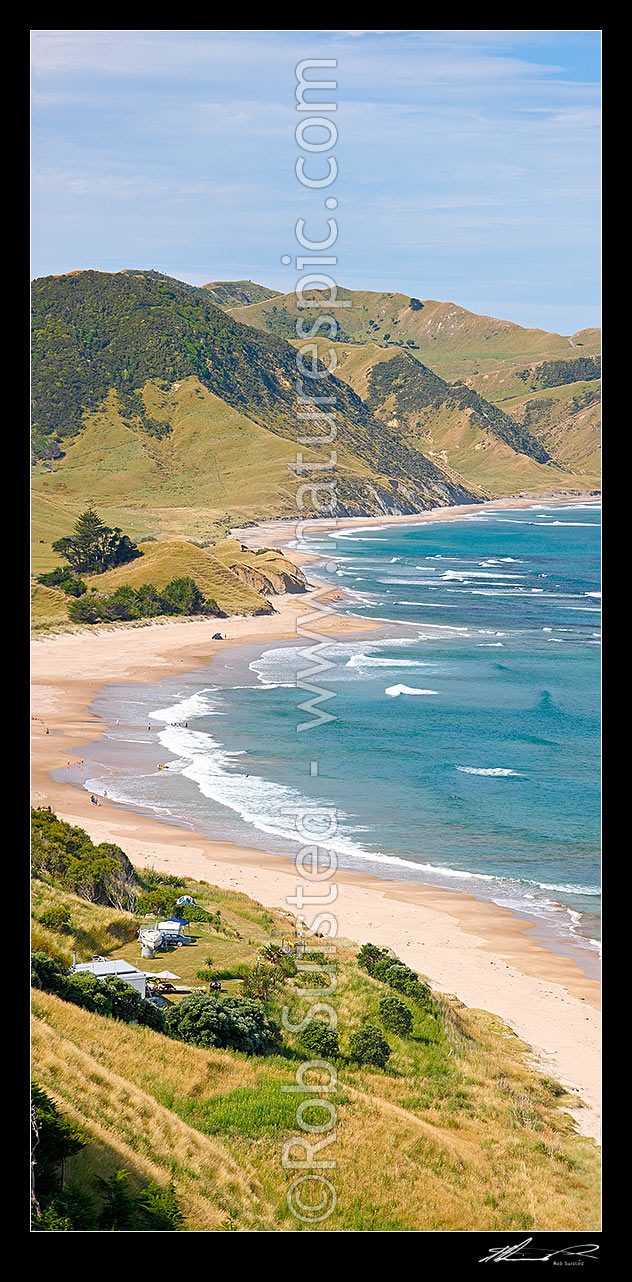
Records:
x=468, y=161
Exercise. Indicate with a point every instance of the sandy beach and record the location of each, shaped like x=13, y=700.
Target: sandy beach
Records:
x=282, y=532
x=485, y=955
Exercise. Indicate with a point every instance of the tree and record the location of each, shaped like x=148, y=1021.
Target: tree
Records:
x=415, y=305
x=369, y=956
x=65, y=855
x=60, y=1209
x=119, y=1207
x=55, y=1139
x=319, y=1040
x=235, y=1022
x=369, y=1046
x=396, y=1016
x=93, y=546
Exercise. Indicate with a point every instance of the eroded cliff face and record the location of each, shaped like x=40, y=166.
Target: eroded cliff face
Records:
x=269, y=581
x=265, y=571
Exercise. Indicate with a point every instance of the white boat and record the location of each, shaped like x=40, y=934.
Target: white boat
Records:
x=150, y=936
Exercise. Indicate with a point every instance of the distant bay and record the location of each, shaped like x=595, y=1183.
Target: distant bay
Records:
x=465, y=748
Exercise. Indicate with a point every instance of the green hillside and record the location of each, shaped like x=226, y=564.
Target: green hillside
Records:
x=455, y=1133
x=452, y=340
x=233, y=293
x=112, y=352
x=488, y=442
x=497, y=361
x=238, y=579
x=181, y=417
x=162, y=562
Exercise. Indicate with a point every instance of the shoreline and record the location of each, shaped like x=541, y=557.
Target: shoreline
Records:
x=484, y=954
x=256, y=535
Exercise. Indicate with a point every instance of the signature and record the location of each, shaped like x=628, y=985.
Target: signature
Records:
x=523, y=1251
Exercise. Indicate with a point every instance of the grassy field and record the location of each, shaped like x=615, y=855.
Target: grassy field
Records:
x=162, y=562
x=457, y=1133
x=452, y=340
x=241, y=581
x=449, y=436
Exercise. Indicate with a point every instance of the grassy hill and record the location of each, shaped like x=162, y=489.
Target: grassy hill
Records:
x=456, y=1133
x=232, y=293
x=495, y=360
x=181, y=414
x=452, y=340
x=488, y=442
x=162, y=562
x=151, y=396
x=240, y=580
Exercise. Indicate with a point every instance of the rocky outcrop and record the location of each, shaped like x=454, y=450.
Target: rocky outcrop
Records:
x=269, y=581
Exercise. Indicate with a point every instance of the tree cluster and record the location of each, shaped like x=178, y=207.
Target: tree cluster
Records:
x=66, y=856
x=59, y=1207
x=236, y=1022
x=94, y=547
x=180, y=596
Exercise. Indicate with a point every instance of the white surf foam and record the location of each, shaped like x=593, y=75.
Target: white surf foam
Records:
x=394, y=691
x=496, y=771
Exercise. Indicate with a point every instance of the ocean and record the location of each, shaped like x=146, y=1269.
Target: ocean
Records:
x=462, y=747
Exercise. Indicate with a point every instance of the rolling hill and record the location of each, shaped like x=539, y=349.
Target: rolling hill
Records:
x=177, y=407
x=142, y=385
x=240, y=580
x=489, y=438
x=456, y=1133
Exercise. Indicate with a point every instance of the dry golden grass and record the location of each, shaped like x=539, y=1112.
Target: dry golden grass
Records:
x=162, y=562
x=214, y=1189
x=456, y=1134
x=93, y=928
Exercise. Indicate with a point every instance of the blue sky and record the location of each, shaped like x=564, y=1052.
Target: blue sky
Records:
x=469, y=164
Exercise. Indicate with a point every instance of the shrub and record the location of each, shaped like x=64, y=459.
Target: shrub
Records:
x=405, y=981
x=369, y=1046
x=114, y=997
x=192, y=912
x=65, y=854
x=260, y=982
x=180, y=596
x=57, y=917
x=319, y=1040
x=64, y=579
x=49, y=974
x=369, y=956
x=235, y=1022
x=396, y=1016
x=390, y=970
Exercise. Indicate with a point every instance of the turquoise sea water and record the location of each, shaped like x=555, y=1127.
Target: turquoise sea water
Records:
x=464, y=748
